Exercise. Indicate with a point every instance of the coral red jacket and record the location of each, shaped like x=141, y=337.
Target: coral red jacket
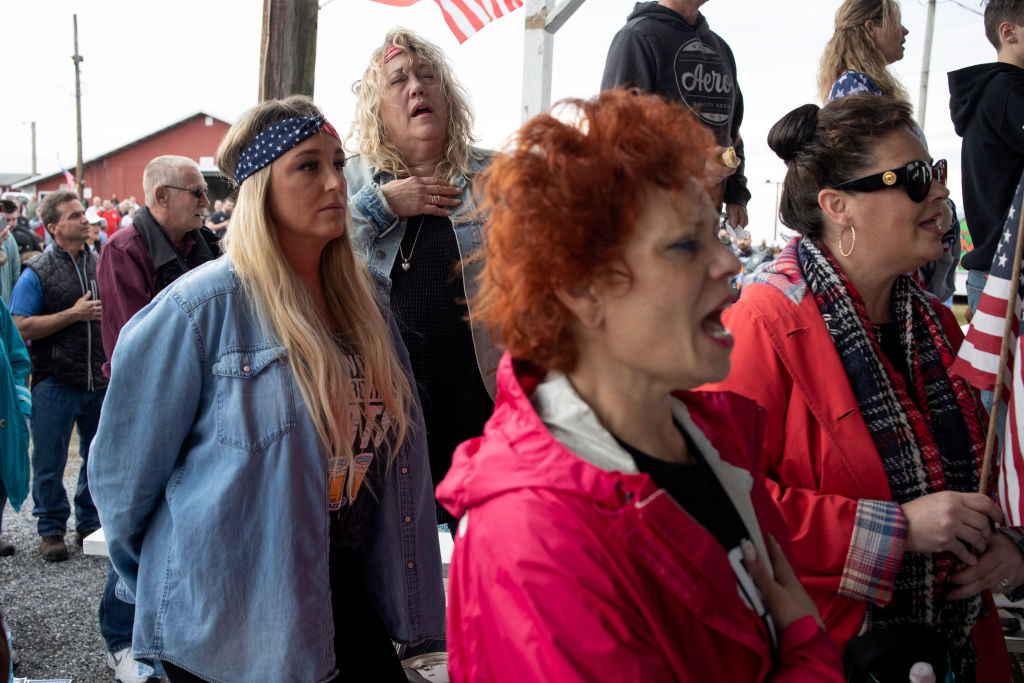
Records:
x=818, y=457
x=568, y=571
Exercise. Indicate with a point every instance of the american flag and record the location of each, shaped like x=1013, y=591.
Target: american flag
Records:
x=978, y=360
x=466, y=17
x=68, y=178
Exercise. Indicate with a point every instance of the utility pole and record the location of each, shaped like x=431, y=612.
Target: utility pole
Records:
x=775, y=228
x=33, y=147
x=287, y=48
x=77, y=59
x=922, y=102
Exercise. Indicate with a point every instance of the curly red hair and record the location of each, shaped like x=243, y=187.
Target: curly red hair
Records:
x=563, y=204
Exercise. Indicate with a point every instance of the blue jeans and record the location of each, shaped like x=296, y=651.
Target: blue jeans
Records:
x=116, y=616
x=56, y=409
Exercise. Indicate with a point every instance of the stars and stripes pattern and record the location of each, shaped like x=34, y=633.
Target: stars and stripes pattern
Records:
x=275, y=140
x=978, y=360
x=68, y=178
x=466, y=17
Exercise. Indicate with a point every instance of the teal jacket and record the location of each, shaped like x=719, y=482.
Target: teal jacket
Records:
x=15, y=406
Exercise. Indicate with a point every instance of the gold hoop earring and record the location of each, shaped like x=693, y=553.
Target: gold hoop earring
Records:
x=853, y=243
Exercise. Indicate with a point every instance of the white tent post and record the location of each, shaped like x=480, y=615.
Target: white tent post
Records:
x=538, y=45
x=543, y=19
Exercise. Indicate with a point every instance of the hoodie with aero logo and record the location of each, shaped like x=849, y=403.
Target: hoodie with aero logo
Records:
x=659, y=52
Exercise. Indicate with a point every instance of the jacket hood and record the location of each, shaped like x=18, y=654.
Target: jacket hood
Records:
x=542, y=435
x=966, y=87
x=653, y=10
x=516, y=451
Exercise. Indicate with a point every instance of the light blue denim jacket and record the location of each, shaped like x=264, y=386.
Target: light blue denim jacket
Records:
x=211, y=485
x=378, y=234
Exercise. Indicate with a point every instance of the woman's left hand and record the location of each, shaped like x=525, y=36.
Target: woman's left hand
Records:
x=1002, y=559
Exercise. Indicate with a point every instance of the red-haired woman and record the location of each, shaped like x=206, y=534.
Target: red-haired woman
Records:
x=613, y=527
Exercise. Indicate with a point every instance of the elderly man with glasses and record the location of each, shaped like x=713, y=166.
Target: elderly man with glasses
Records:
x=165, y=239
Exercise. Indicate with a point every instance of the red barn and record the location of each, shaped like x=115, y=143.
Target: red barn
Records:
x=119, y=172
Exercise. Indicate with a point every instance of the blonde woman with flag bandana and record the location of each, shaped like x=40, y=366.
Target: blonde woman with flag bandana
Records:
x=261, y=469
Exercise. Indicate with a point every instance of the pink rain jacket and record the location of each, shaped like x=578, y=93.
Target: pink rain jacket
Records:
x=570, y=565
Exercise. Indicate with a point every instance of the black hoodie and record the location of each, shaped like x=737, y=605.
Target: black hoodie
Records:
x=986, y=103
x=659, y=52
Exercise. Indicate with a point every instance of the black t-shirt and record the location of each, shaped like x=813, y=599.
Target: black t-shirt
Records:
x=697, y=490
x=428, y=300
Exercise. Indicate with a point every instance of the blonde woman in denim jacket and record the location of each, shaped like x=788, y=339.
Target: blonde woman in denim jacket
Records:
x=412, y=188
x=259, y=466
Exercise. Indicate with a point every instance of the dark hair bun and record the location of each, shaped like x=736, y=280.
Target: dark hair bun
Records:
x=791, y=134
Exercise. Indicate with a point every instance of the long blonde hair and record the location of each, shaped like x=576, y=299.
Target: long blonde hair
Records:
x=851, y=47
x=284, y=304
x=367, y=135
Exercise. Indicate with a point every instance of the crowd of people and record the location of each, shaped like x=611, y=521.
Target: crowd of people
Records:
x=662, y=453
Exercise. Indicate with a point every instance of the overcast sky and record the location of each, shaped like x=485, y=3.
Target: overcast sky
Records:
x=149, y=64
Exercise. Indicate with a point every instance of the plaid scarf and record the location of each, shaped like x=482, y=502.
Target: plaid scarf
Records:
x=928, y=433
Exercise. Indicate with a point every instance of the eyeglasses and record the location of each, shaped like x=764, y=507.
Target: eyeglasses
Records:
x=916, y=178
x=197, y=192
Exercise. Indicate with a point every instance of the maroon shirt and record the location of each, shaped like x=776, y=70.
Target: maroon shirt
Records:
x=125, y=275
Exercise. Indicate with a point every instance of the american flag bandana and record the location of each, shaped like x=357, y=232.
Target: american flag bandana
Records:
x=277, y=139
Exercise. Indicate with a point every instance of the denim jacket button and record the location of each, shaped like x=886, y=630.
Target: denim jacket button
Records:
x=246, y=369
x=411, y=565
x=405, y=470
x=380, y=254
x=408, y=518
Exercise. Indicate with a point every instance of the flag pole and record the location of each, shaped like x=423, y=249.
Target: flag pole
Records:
x=1004, y=351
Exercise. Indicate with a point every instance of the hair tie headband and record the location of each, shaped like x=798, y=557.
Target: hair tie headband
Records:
x=275, y=140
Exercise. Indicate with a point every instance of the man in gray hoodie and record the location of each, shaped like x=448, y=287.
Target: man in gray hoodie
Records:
x=667, y=48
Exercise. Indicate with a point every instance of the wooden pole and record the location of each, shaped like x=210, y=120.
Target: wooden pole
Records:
x=287, y=48
x=1004, y=351
x=78, y=59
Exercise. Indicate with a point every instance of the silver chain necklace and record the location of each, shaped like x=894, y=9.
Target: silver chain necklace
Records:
x=407, y=261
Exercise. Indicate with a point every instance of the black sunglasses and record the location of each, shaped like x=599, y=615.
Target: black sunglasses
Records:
x=916, y=178
x=196, y=192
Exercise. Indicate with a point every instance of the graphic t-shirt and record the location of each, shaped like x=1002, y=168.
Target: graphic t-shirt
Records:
x=369, y=425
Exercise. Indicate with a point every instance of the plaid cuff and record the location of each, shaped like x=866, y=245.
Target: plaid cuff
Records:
x=876, y=549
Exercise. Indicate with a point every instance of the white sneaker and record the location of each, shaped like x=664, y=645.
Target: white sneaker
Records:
x=127, y=670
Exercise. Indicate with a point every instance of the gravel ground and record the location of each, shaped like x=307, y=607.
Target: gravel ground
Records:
x=51, y=606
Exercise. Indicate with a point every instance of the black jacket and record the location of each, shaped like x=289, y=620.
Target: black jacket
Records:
x=986, y=103
x=168, y=262
x=73, y=354
x=659, y=52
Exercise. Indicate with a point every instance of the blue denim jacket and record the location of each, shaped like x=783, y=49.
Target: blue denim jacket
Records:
x=212, y=489
x=378, y=234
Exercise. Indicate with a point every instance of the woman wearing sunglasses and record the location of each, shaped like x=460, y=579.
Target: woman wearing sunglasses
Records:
x=872, y=449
